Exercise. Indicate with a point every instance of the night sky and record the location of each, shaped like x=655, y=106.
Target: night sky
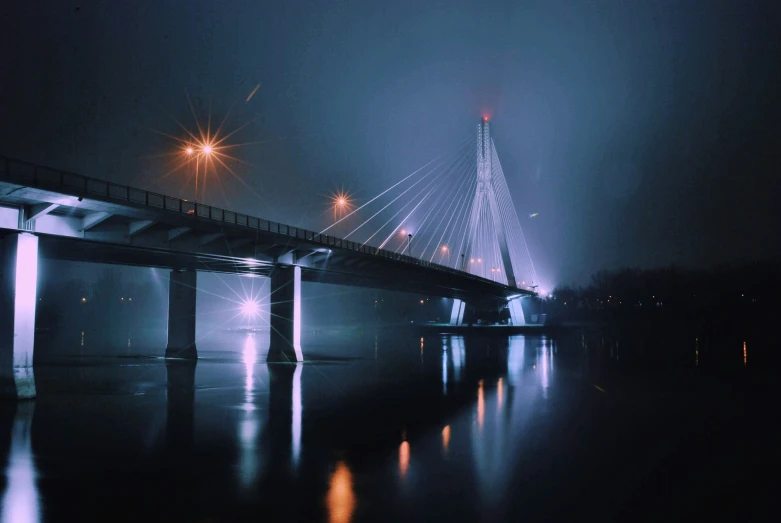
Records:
x=643, y=133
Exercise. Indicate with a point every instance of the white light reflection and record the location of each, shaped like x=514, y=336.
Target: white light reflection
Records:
x=21, y=500
x=297, y=410
x=249, y=427
x=542, y=364
x=505, y=431
x=444, y=370
x=458, y=353
x=515, y=356
x=249, y=357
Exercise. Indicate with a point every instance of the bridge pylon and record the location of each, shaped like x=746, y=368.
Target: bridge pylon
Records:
x=485, y=207
x=495, y=246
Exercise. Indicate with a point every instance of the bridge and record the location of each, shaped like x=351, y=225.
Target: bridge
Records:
x=59, y=215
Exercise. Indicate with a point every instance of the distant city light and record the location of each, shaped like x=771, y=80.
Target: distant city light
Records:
x=207, y=149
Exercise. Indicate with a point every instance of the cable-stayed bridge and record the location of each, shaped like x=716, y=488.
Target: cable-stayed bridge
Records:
x=448, y=229
x=454, y=211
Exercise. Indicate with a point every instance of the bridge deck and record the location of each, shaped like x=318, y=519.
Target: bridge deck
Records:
x=87, y=219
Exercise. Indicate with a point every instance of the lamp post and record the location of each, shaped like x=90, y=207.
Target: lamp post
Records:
x=409, y=245
x=446, y=250
x=190, y=151
x=206, y=150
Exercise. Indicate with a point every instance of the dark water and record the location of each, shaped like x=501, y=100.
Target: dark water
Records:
x=399, y=428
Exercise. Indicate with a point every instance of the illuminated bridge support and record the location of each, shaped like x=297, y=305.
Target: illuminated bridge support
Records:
x=181, y=315
x=457, y=314
x=18, y=297
x=285, y=315
x=516, y=312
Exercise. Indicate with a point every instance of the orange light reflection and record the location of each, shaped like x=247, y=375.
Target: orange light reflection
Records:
x=341, y=498
x=446, y=437
x=403, y=458
x=480, y=404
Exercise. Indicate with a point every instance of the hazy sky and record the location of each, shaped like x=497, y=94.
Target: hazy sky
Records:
x=643, y=133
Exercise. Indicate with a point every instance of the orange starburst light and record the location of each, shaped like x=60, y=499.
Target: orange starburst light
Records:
x=206, y=153
x=341, y=204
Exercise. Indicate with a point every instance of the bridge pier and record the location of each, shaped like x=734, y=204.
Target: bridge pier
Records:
x=181, y=315
x=516, y=312
x=457, y=315
x=285, y=315
x=18, y=298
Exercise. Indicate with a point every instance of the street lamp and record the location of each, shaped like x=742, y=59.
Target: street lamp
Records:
x=205, y=150
x=409, y=245
x=446, y=250
x=341, y=204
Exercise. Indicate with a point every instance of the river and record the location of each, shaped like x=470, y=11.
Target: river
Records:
x=392, y=426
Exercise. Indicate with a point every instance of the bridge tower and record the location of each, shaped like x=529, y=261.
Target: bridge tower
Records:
x=492, y=220
x=485, y=200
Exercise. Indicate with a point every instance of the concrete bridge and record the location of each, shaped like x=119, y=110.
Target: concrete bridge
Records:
x=65, y=216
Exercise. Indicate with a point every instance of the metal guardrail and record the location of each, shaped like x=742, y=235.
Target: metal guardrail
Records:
x=37, y=176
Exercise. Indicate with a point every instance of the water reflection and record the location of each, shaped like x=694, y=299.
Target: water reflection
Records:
x=249, y=425
x=480, y=404
x=543, y=365
x=285, y=421
x=515, y=356
x=502, y=414
x=249, y=358
x=446, y=438
x=21, y=499
x=744, y=353
x=180, y=419
x=403, y=458
x=444, y=371
x=340, y=499
x=458, y=354
x=296, y=425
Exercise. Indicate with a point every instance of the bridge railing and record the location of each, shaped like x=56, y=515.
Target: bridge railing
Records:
x=29, y=174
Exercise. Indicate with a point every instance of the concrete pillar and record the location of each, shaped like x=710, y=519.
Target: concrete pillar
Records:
x=457, y=315
x=18, y=298
x=285, y=315
x=181, y=315
x=516, y=312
